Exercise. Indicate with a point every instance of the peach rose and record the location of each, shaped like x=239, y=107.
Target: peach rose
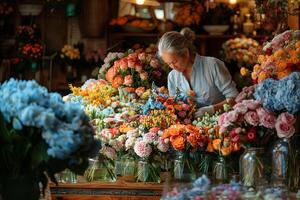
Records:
x=144, y=76
x=128, y=80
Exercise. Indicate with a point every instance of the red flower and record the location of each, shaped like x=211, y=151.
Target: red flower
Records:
x=251, y=135
x=269, y=51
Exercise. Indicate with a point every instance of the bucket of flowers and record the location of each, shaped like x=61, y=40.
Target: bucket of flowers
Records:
x=70, y=55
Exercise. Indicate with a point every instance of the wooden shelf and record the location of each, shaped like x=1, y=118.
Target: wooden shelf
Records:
x=119, y=190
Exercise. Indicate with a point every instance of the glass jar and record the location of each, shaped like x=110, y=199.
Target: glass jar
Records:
x=252, y=167
x=220, y=172
x=100, y=171
x=66, y=176
x=128, y=169
x=183, y=167
x=280, y=152
x=118, y=167
x=148, y=171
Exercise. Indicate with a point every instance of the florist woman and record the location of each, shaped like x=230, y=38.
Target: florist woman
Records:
x=206, y=76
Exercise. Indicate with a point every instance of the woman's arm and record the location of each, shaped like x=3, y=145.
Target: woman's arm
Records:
x=220, y=106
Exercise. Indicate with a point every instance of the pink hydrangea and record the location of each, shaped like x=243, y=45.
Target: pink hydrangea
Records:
x=252, y=118
x=150, y=137
x=266, y=118
x=142, y=149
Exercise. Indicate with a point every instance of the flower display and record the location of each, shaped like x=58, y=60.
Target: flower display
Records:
x=281, y=57
x=251, y=124
x=134, y=70
x=95, y=93
x=158, y=118
x=32, y=51
x=42, y=132
x=280, y=95
x=108, y=62
x=69, y=54
x=243, y=51
x=188, y=14
x=5, y=9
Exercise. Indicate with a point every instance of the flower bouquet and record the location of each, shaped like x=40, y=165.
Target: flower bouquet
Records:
x=70, y=56
x=40, y=134
x=135, y=70
x=187, y=141
x=280, y=58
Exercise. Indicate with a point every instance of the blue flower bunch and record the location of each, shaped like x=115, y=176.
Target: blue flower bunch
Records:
x=280, y=95
x=152, y=104
x=63, y=126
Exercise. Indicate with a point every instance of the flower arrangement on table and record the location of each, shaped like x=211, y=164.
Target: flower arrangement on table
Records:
x=135, y=70
x=280, y=58
x=41, y=133
x=243, y=51
x=182, y=107
x=5, y=9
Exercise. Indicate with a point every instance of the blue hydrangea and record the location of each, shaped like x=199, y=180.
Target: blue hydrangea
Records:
x=152, y=104
x=281, y=95
x=65, y=127
x=202, y=183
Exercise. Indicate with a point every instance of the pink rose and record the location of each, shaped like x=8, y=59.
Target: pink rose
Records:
x=156, y=73
x=231, y=116
x=142, y=56
x=252, y=118
x=162, y=146
x=144, y=76
x=131, y=63
x=138, y=67
x=252, y=104
x=154, y=63
x=221, y=119
x=128, y=80
x=123, y=64
x=284, y=130
x=154, y=130
x=266, y=118
x=133, y=56
x=185, y=107
x=182, y=114
x=286, y=118
x=240, y=108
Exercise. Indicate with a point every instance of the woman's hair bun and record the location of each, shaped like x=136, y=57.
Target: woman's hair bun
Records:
x=188, y=34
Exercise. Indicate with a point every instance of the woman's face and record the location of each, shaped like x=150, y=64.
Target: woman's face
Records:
x=179, y=62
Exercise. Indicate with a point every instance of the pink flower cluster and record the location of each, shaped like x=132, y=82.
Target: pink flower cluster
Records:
x=142, y=149
x=250, y=113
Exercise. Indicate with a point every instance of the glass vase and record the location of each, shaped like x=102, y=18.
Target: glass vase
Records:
x=148, y=171
x=252, y=167
x=183, y=167
x=66, y=176
x=100, y=171
x=220, y=172
x=128, y=169
x=280, y=152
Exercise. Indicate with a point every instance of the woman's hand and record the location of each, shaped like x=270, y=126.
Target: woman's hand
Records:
x=207, y=109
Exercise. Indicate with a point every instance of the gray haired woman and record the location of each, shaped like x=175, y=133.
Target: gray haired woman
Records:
x=206, y=76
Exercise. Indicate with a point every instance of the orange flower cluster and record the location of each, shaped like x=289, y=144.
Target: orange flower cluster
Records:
x=219, y=142
x=184, y=136
x=188, y=14
x=279, y=61
x=158, y=118
x=32, y=50
x=98, y=93
x=183, y=111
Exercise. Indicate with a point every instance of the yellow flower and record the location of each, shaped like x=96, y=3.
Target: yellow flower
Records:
x=279, y=53
x=262, y=76
x=257, y=68
x=244, y=71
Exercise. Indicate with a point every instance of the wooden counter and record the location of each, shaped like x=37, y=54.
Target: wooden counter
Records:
x=119, y=190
